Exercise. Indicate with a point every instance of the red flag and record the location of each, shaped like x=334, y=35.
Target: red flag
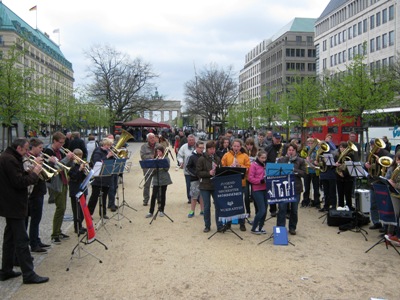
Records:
x=33, y=8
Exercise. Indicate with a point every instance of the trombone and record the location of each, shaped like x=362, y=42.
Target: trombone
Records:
x=58, y=163
x=77, y=159
x=150, y=172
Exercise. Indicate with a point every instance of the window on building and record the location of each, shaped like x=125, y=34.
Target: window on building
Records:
x=344, y=55
x=378, y=64
x=384, y=16
x=391, y=61
x=354, y=51
x=335, y=40
x=310, y=40
x=331, y=60
x=349, y=33
x=391, y=38
x=331, y=41
x=372, y=22
x=339, y=38
x=378, y=19
x=391, y=12
x=359, y=49
x=378, y=43
x=384, y=40
x=384, y=62
x=344, y=35
x=372, y=45
x=359, y=28
x=339, y=58
x=365, y=25
x=354, y=30
x=372, y=66
x=311, y=67
x=311, y=53
x=324, y=64
x=350, y=54
x=299, y=39
x=324, y=45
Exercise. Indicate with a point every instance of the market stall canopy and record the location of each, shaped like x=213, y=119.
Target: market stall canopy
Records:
x=142, y=122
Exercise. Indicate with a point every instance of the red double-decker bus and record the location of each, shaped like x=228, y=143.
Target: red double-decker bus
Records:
x=331, y=121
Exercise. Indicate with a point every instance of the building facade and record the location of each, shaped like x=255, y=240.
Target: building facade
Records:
x=350, y=27
x=276, y=62
x=41, y=55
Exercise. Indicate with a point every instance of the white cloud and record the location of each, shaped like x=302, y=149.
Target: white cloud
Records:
x=172, y=35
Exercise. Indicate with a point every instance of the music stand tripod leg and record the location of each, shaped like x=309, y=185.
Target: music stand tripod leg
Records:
x=270, y=237
x=77, y=251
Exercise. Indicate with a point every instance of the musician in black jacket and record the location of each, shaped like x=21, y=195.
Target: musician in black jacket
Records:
x=14, y=182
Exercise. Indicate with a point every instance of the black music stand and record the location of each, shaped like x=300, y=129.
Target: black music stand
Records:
x=103, y=169
x=119, y=168
x=76, y=251
x=156, y=164
x=356, y=170
x=226, y=171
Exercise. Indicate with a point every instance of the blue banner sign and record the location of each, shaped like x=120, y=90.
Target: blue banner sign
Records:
x=228, y=197
x=280, y=189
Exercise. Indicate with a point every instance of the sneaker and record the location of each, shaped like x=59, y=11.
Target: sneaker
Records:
x=263, y=231
x=39, y=250
x=191, y=214
x=149, y=215
x=255, y=231
x=56, y=241
x=161, y=214
x=63, y=236
x=202, y=213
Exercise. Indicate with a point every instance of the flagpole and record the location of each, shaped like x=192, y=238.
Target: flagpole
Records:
x=36, y=17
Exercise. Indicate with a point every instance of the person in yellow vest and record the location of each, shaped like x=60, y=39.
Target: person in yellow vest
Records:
x=237, y=157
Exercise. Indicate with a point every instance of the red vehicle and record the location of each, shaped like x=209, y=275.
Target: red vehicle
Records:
x=333, y=122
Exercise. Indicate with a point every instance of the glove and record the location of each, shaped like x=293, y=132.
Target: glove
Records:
x=262, y=181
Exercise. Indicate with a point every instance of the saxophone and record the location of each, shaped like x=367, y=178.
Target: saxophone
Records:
x=279, y=155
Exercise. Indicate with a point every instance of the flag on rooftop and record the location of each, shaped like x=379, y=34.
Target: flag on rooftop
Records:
x=56, y=30
x=33, y=8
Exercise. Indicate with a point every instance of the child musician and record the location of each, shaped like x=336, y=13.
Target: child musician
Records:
x=76, y=177
x=161, y=179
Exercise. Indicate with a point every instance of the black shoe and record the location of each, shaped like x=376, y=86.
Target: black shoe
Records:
x=228, y=226
x=189, y=202
x=9, y=275
x=36, y=279
x=39, y=250
x=221, y=229
x=145, y=203
x=292, y=231
x=51, y=201
x=382, y=229
x=63, y=236
x=273, y=214
x=323, y=209
x=105, y=217
x=56, y=241
x=375, y=226
x=242, y=227
x=113, y=208
x=207, y=229
x=42, y=245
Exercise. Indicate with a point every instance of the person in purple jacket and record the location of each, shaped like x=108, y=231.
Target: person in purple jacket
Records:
x=259, y=187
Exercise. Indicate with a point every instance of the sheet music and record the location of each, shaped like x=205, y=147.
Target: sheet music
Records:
x=329, y=161
x=97, y=168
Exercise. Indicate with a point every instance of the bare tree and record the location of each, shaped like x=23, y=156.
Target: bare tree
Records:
x=121, y=84
x=211, y=93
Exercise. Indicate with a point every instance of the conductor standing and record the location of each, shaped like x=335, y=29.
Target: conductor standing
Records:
x=14, y=182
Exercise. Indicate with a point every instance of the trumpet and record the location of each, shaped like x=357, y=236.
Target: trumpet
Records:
x=78, y=160
x=58, y=163
x=44, y=174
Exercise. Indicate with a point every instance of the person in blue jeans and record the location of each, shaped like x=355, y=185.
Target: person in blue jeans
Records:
x=299, y=171
x=259, y=191
x=205, y=169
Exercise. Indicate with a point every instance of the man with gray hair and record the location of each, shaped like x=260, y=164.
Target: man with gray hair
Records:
x=183, y=156
x=147, y=151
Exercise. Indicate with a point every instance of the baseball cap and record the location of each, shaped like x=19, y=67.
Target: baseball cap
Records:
x=277, y=135
x=372, y=141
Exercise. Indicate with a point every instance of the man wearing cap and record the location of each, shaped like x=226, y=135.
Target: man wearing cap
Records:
x=373, y=163
x=274, y=152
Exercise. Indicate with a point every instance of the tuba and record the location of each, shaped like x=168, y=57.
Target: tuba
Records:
x=118, y=150
x=384, y=162
x=344, y=156
x=374, y=170
x=323, y=147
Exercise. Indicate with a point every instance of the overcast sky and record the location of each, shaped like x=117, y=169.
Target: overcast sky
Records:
x=172, y=35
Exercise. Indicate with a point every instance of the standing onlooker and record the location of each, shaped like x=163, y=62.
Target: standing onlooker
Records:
x=78, y=143
x=182, y=138
x=14, y=181
x=259, y=191
x=35, y=203
x=299, y=170
x=388, y=147
x=161, y=180
x=261, y=142
x=68, y=137
x=58, y=186
x=224, y=146
x=194, y=179
x=147, y=151
x=183, y=155
x=268, y=138
x=90, y=146
x=205, y=169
